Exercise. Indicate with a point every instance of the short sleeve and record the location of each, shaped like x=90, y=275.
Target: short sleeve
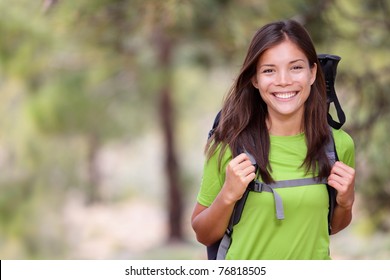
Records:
x=345, y=147
x=213, y=177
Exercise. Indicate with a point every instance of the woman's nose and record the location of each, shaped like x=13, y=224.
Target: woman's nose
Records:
x=283, y=78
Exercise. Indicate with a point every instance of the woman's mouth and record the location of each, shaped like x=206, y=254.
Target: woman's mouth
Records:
x=285, y=95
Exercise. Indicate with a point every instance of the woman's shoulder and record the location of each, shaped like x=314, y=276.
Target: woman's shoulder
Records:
x=342, y=137
x=219, y=152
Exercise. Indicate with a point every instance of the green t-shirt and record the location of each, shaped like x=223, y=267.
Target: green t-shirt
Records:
x=303, y=233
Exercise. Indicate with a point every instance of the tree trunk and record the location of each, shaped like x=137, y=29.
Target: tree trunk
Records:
x=164, y=46
x=171, y=167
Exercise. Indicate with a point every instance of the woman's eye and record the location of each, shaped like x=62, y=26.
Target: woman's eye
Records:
x=297, y=67
x=267, y=71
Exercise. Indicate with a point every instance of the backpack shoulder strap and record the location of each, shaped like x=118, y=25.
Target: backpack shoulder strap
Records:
x=236, y=215
x=234, y=219
x=331, y=152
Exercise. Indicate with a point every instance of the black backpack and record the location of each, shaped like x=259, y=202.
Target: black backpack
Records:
x=219, y=249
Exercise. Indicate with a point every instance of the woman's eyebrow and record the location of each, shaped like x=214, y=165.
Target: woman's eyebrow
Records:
x=291, y=62
x=266, y=65
x=297, y=60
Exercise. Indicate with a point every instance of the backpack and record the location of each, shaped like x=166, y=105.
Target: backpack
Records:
x=218, y=250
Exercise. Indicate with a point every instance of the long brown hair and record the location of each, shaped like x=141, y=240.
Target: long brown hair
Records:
x=244, y=113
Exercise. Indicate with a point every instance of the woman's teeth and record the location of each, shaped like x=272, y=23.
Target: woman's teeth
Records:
x=285, y=95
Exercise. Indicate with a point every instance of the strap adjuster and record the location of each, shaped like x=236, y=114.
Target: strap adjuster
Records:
x=257, y=186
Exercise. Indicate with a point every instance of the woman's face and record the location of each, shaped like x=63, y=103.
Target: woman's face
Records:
x=284, y=78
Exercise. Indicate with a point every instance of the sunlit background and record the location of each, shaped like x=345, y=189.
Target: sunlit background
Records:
x=105, y=107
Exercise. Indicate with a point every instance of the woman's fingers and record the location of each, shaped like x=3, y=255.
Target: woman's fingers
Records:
x=342, y=178
x=239, y=173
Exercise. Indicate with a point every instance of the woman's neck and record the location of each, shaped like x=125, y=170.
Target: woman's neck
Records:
x=285, y=127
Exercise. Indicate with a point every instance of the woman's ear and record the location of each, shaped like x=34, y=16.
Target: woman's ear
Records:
x=254, y=82
x=313, y=71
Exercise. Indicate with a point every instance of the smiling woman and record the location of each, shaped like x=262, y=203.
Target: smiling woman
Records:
x=275, y=118
x=283, y=78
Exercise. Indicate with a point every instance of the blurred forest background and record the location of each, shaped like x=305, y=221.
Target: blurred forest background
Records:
x=105, y=108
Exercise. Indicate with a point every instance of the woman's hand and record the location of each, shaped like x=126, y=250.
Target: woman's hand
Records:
x=342, y=178
x=210, y=223
x=239, y=173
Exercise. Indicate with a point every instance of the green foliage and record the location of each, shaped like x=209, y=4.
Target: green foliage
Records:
x=84, y=73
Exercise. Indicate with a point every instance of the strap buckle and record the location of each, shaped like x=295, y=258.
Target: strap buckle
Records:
x=258, y=186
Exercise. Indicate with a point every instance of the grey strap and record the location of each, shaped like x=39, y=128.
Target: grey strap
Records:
x=330, y=150
x=234, y=219
x=224, y=246
x=260, y=187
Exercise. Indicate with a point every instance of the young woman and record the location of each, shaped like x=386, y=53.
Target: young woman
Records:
x=276, y=110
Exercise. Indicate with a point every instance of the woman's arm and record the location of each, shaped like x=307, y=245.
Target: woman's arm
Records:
x=210, y=223
x=342, y=178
